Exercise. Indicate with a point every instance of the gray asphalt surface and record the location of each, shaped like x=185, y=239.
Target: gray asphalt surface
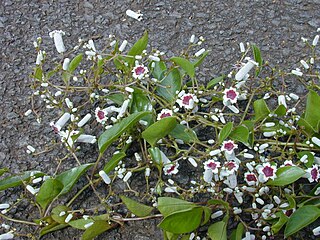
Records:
x=275, y=26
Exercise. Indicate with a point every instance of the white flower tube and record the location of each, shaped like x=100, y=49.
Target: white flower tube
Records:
x=84, y=120
x=192, y=38
x=65, y=64
x=135, y=15
x=58, y=41
x=123, y=45
x=245, y=70
x=105, y=177
x=4, y=206
x=197, y=54
x=282, y=100
x=8, y=235
x=86, y=138
x=315, y=40
x=316, y=141
x=242, y=48
x=62, y=120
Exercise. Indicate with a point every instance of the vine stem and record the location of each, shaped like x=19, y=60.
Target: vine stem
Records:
x=137, y=219
x=18, y=221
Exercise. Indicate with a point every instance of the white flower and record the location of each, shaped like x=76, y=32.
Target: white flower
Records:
x=4, y=206
x=230, y=96
x=192, y=38
x=40, y=57
x=245, y=70
x=228, y=146
x=212, y=165
x=242, y=48
x=313, y=173
x=66, y=137
x=304, y=64
x=7, y=235
x=171, y=168
x=123, y=108
x=105, y=177
x=207, y=175
x=140, y=72
x=164, y=113
x=282, y=100
x=316, y=141
x=101, y=115
x=187, y=100
x=135, y=15
x=58, y=41
x=315, y=40
x=68, y=218
x=251, y=178
x=297, y=73
x=266, y=172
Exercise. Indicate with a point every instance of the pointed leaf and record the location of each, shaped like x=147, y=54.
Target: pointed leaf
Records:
x=49, y=190
x=206, y=216
x=112, y=134
x=96, y=229
x=312, y=114
x=136, y=208
x=218, y=230
x=301, y=218
x=241, y=134
x=16, y=180
x=225, y=132
x=52, y=228
x=283, y=219
x=137, y=48
x=158, y=70
x=113, y=162
x=215, y=81
x=170, y=84
x=286, y=175
x=257, y=57
x=159, y=130
x=75, y=62
x=70, y=177
x=56, y=213
x=80, y=223
x=184, y=133
x=168, y=205
x=198, y=62
x=185, y=64
x=183, y=221
x=261, y=109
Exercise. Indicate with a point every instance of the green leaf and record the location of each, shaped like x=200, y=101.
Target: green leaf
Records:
x=286, y=175
x=238, y=232
x=276, y=227
x=113, y=162
x=96, y=229
x=158, y=70
x=257, y=57
x=206, y=216
x=3, y=170
x=306, y=126
x=241, y=134
x=117, y=98
x=170, y=236
x=75, y=62
x=280, y=111
x=38, y=73
x=184, y=133
x=138, y=48
x=215, y=81
x=198, y=62
x=111, y=134
x=16, y=180
x=310, y=158
x=159, y=130
x=155, y=154
x=79, y=223
x=261, y=109
x=219, y=202
x=170, y=84
x=49, y=190
x=185, y=64
x=136, y=208
x=52, y=228
x=168, y=205
x=225, y=132
x=301, y=218
x=55, y=213
x=312, y=114
x=70, y=177
x=141, y=103
x=183, y=221
x=218, y=230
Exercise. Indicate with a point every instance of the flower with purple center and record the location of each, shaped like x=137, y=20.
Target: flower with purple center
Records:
x=230, y=96
x=212, y=165
x=313, y=173
x=164, y=113
x=228, y=146
x=266, y=172
x=101, y=115
x=287, y=163
x=251, y=178
x=230, y=167
x=171, y=168
x=139, y=72
x=187, y=100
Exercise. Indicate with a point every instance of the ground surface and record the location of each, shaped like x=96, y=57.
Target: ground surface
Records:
x=276, y=26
